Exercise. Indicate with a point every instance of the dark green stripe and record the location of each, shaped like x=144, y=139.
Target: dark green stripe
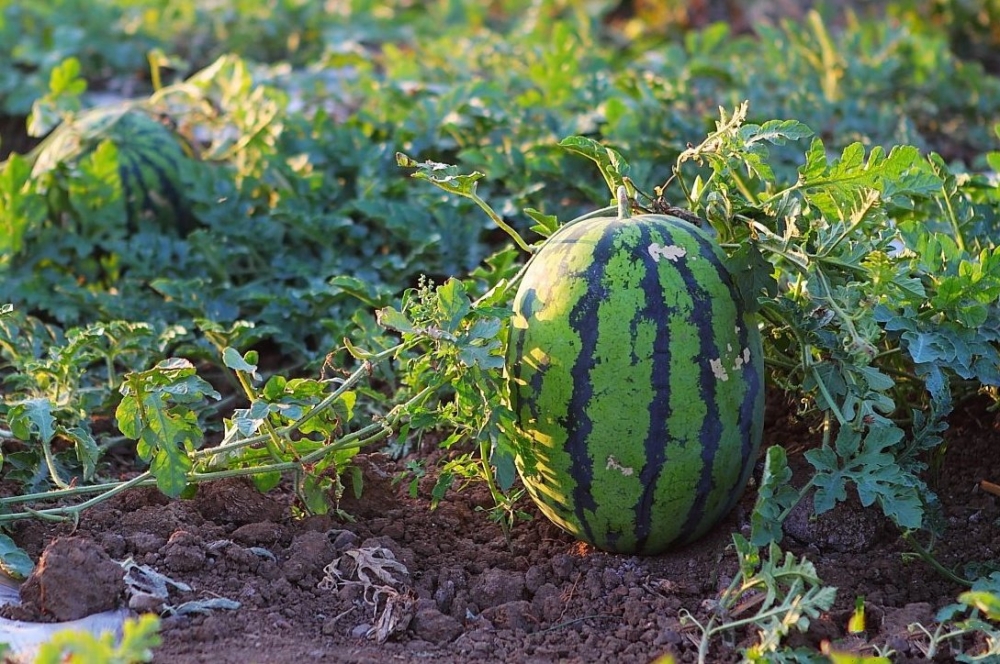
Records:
x=516, y=368
x=584, y=319
x=140, y=137
x=752, y=377
x=127, y=178
x=655, y=445
x=153, y=176
x=749, y=376
x=711, y=430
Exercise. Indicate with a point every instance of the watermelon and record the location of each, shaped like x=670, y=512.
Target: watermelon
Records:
x=151, y=159
x=636, y=379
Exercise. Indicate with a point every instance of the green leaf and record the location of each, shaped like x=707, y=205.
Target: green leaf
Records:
x=264, y=482
x=836, y=188
x=274, y=387
x=612, y=165
x=32, y=417
x=776, y=132
x=154, y=411
x=453, y=304
x=249, y=420
x=232, y=359
x=856, y=623
x=444, y=176
x=87, y=451
x=139, y=637
x=343, y=409
x=372, y=293
x=486, y=356
x=869, y=463
x=752, y=274
x=169, y=465
x=315, y=492
x=775, y=497
x=66, y=79
x=444, y=482
x=829, y=480
x=848, y=442
x=21, y=207
x=546, y=225
x=993, y=160
x=14, y=562
x=986, y=602
x=485, y=328
x=391, y=318
x=63, y=98
x=504, y=468
x=876, y=379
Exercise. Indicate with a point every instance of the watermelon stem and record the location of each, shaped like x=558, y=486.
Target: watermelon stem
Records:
x=821, y=385
x=624, y=205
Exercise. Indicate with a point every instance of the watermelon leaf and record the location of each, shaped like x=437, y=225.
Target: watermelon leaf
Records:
x=232, y=359
x=753, y=275
x=546, y=225
x=14, y=562
x=22, y=209
x=775, y=498
x=156, y=411
x=63, y=98
x=453, y=304
x=32, y=418
x=444, y=176
x=393, y=319
x=609, y=161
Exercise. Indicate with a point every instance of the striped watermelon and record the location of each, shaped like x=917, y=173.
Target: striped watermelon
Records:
x=151, y=158
x=636, y=377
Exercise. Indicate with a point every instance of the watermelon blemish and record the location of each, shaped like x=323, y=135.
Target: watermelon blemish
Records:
x=671, y=253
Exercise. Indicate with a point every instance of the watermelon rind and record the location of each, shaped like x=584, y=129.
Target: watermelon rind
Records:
x=151, y=162
x=636, y=378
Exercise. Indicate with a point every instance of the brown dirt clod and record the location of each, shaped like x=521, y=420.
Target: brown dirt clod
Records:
x=74, y=578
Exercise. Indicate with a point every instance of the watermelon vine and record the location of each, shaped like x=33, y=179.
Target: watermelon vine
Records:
x=829, y=263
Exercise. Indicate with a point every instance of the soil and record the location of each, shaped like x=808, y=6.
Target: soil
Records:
x=445, y=585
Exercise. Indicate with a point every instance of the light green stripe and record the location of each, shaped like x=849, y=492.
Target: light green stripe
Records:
x=618, y=409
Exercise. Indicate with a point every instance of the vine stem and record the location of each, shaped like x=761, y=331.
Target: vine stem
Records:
x=926, y=556
x=373, y=432
x=273, y=440
x=498, y=220
x=229, y=444
x=953, y=219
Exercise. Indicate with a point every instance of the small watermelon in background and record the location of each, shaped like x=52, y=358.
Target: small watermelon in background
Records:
x=637, y=378
x=151, y=161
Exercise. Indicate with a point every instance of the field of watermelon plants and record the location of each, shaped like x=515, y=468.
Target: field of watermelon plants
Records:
x=263, y=393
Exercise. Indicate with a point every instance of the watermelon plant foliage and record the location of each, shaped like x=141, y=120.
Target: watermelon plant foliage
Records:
x=864, y=242
x=833, y=277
